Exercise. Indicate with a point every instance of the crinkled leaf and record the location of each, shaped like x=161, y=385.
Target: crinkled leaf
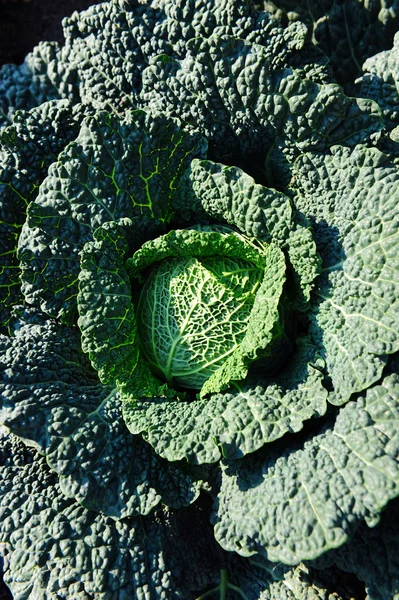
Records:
x=264, y=326
x=260, y=579
x=194, y=311
x=236, y=423
x=77, y=423
x=107, y=320
x=299, y=505
x=187, y=19
x=372, y=554
x=352, y=199
x=109, y=45
x=227, y=194
x=116, y=168
x=30, y=84
x=27, y=149
x=202, y=241
x=107, y=48
x=380, y=82
x=234, y=93
x=13, y=452
x=348, y=32
x=304, y=260
x=57, y=550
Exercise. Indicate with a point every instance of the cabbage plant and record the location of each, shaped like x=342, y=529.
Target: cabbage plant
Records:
x=199, y=306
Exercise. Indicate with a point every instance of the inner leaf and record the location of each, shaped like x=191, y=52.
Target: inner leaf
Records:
x=193, y=314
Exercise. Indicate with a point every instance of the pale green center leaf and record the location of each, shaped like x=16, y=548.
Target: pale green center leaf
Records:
x=193, y=314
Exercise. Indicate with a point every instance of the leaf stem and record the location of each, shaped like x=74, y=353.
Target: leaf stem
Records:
x=224, y=583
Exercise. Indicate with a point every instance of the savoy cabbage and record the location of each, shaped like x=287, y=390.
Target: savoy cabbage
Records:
x=199, y=312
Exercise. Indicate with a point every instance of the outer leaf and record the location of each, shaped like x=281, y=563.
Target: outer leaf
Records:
x=28, y=147
x=372, y=554
x=288, y=46
x=232, y=424
x=352, y=198
x=189, y=19
x=108, y=46
x=227, y=194
x=13, y=452
x=107, y=321
x=240, y=99
x=77, y=423
x=310, y=500
x=258, y=579
x=116, y=168
x=380, y=82
x=305, y=261
x=348, y=32
x=25, y=86
x=299, y=584
x=57, y=550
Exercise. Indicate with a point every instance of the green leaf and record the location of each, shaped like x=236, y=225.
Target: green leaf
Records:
x=108, y=46
x=201, y=241
x=263, y=328
x=106, y=314
x=304, y=260
x=259, y=579
x=235, y=423
x=77, y=423
x=57, y=549
x=116, y=168
x=372, y=554
x=348, y=32
x=380, y=80
x=228, y=194
x=214, y=279
x=351, y=196
x=245, y=99
x=298, y=505
x=28, y=147
x=106, y=49
x=107, y=320
x=186, y=21
x=36, y=81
